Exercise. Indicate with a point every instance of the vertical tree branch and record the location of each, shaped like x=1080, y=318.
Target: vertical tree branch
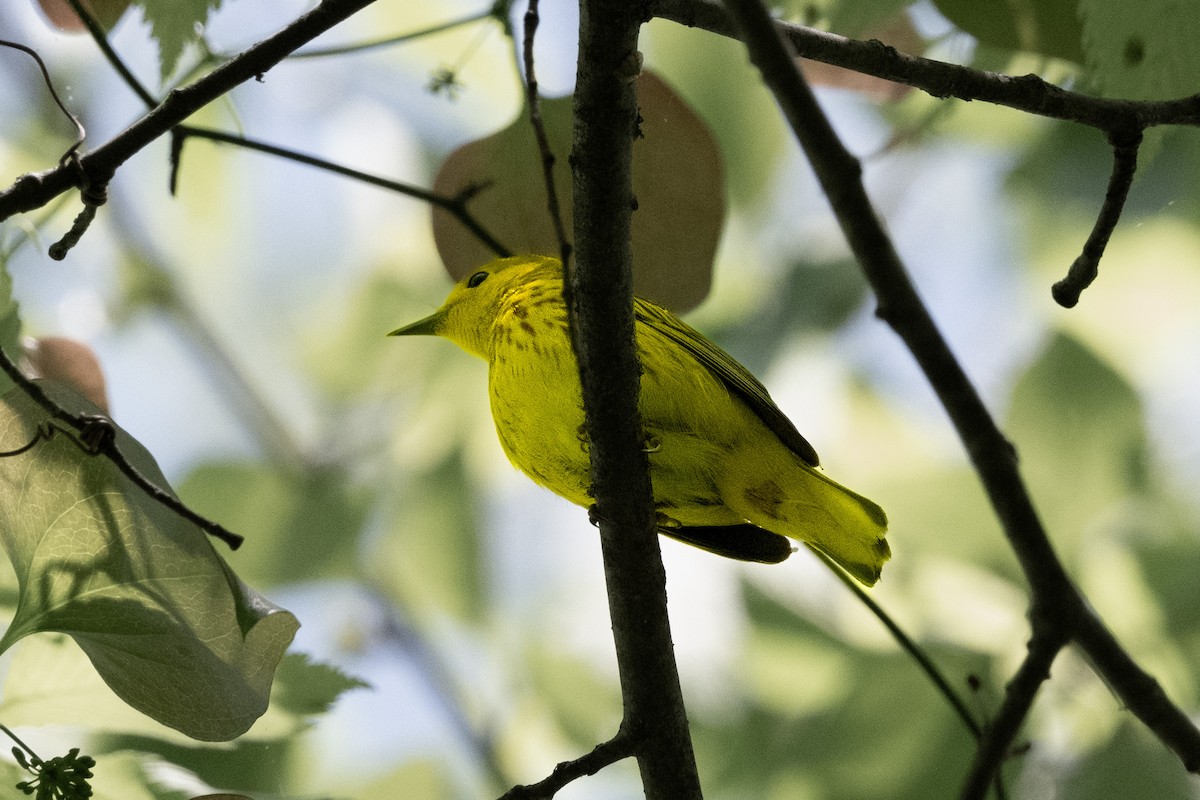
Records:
x=600, y=297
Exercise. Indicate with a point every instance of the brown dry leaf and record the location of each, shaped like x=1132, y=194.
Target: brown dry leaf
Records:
x=70, y=362
x=898, y=32
x=678, y=179
x=61, y=16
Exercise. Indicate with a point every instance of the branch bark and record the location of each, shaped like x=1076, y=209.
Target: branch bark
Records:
x=600, y=297
x=1027, y=93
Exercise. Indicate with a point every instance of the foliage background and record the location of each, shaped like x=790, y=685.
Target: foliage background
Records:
x=240, y=325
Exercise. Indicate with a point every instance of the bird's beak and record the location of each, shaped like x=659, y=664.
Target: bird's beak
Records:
x=424, y=327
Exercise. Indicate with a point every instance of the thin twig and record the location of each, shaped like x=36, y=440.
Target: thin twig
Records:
x=539, y=131
x=97, y=436
x=917, y=654
x=456, y=206
x=1085, y=268
x=8, y=732
x=389, y=41
x=602, y=755
x=907, y=644
x=80, y=132
x=94, y=194
x=997, y=743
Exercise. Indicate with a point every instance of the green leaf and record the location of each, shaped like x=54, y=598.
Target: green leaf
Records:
x=175, y=24
x=165, y=622
x=1049, y=27
x=678, y=180
x=1148, y=55
x=309, y=687
x=50, y=681
x=1078, y=427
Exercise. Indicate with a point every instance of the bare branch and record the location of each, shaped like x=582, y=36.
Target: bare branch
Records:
x=599, y=296
x=997, y=742
x=456, y=205
x=539, y=132
x=602, y=755
x=80, y=132
x=1027, y=93
x=1085, y=268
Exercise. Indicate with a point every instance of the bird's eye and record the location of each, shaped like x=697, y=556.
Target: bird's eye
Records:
x=476, y=279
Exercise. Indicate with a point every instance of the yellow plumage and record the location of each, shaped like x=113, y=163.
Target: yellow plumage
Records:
x=729, y=472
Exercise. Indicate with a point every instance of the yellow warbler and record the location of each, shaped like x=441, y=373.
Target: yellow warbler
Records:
x=730, y=473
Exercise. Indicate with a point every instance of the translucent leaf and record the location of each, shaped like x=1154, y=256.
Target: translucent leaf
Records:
x=1049, y=27
x=70, y=362
x=50, y=681
x=1150, y=55
x=310, y=687
x=678, y=180
x=165, y=622
x=175, y=24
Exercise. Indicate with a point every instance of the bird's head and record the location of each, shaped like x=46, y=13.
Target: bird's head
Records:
x=477, y=301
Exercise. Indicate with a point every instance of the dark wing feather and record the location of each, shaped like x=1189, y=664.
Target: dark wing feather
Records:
x=734, y=375
x=742, y=542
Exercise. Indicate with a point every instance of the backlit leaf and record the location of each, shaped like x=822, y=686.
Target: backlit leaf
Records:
x=1150, y=55
x=1049, y=27
x=174, y=24
x=163, y=619
x=678, y=181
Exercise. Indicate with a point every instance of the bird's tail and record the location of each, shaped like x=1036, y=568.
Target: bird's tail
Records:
x=849, y=528
x=800, y=502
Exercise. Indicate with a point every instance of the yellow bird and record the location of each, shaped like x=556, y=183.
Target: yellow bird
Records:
x=730, y=473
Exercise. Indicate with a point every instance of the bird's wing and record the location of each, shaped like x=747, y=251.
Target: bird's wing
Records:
x=732, y=374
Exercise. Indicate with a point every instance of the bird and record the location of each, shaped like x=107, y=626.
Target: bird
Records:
x=729, y=471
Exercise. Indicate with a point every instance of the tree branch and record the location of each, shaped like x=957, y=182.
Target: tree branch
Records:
x=1058, y=611
x=1085, y=268
x=97, y=166
x=997, y=742
x=1027, y=93
x=539, y=132
x=600, y=298
x=601, y=756
x=456, y=206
